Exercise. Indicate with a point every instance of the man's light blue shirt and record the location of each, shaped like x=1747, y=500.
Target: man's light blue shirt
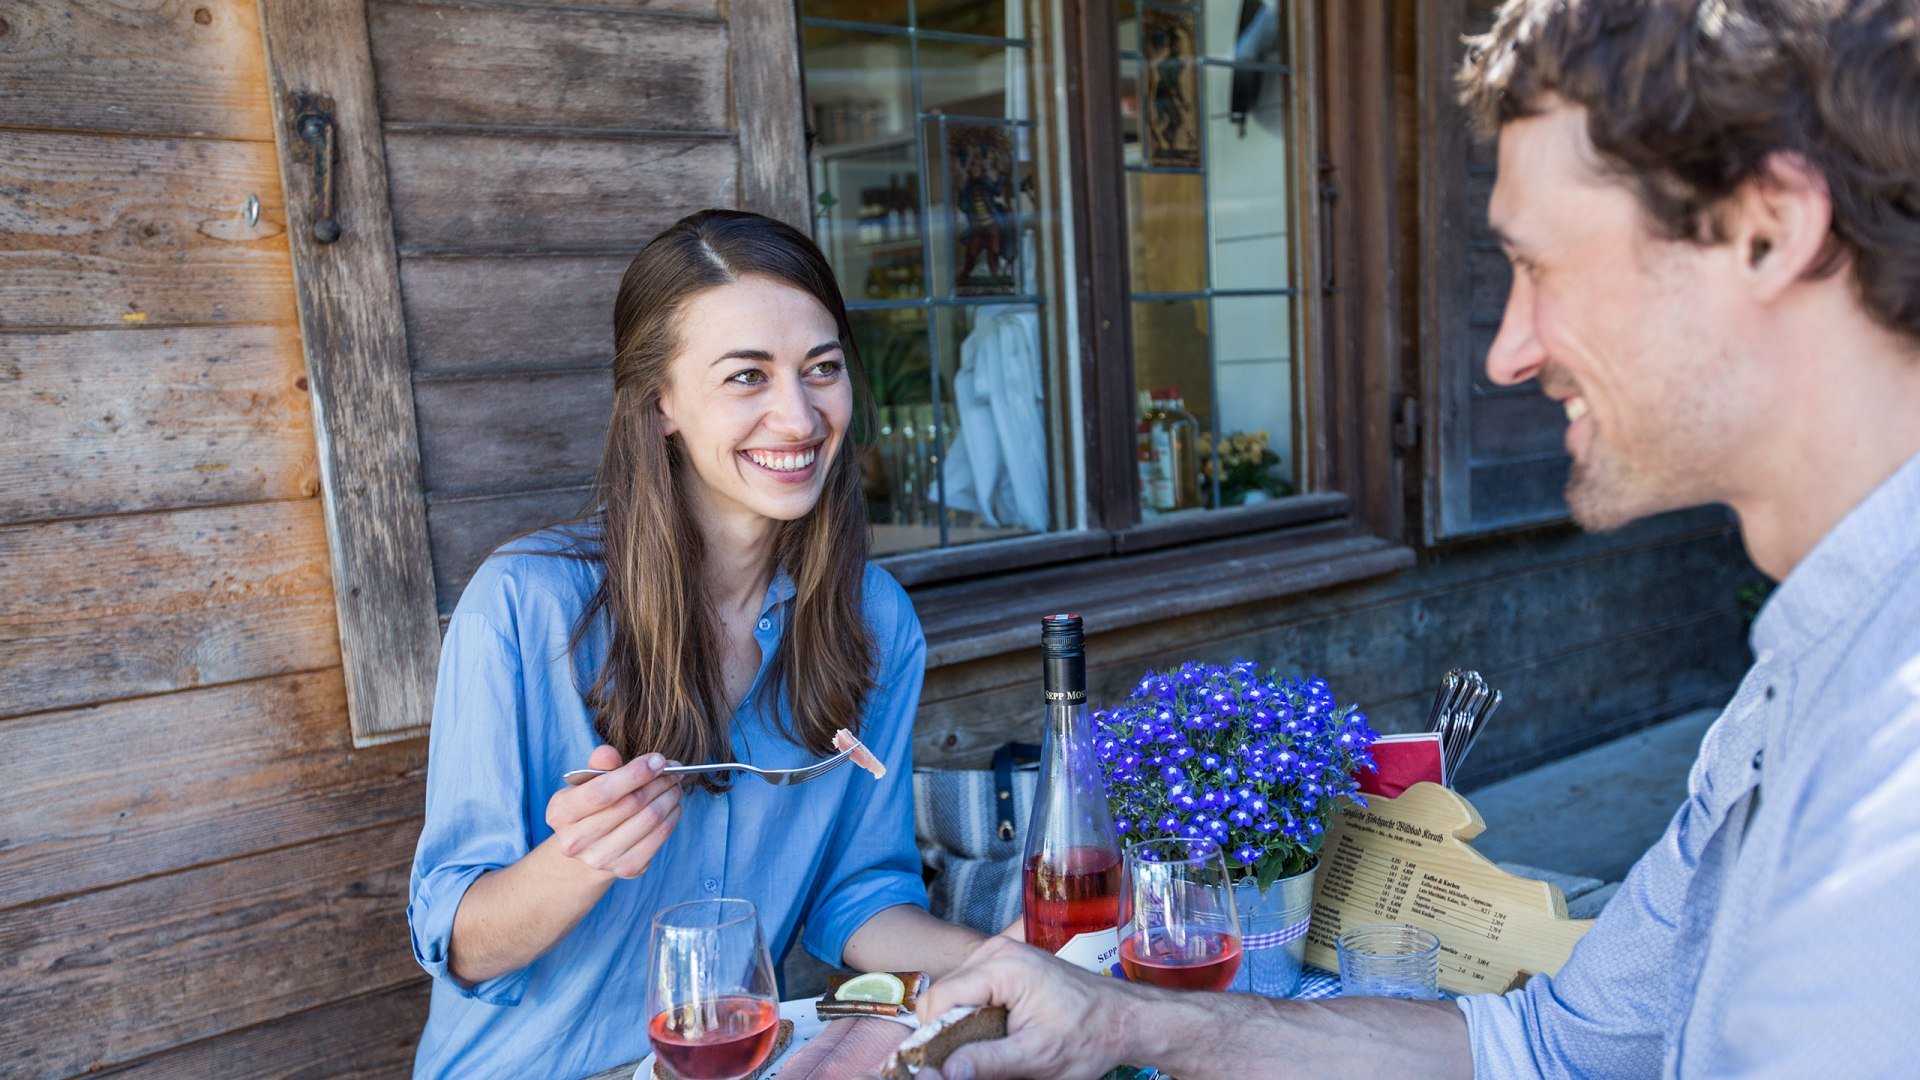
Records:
x=509, y=717
x=1773, y=931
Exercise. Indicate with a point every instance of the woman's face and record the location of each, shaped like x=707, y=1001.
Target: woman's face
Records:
x=759, y=396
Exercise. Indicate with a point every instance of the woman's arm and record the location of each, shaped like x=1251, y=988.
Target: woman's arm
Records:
x=906, y=938
x=607, y=828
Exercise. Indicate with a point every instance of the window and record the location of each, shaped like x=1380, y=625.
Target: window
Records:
x=942, y=172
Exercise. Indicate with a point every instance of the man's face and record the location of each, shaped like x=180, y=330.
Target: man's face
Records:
x=1635, y=335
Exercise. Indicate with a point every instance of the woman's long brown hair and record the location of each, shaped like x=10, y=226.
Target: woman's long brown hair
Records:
x=661, y=687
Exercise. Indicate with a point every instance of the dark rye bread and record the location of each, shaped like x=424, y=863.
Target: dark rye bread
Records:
x=934, y=1042
x=782, y=1038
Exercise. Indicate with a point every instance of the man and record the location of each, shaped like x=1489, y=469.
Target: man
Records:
x=1713, y=213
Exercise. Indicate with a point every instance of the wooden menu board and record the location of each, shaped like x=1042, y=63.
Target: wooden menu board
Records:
x=1406, y=860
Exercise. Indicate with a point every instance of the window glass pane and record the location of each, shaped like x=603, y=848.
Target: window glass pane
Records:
x=995, y=474
x=1210, y=188
x=1247, y=31
x=1250, y=212
x=944, y=231
x=988, y=18
x=1174, y=382
x=885, y=12
x=857, y=89
x=1167, y=231
x=971, y=80
x=1253, y=359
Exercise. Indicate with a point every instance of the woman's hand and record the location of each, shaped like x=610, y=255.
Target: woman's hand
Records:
x=616, y=823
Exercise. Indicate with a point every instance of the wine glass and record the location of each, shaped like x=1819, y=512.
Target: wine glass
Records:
x=711, y=997
x=1178, y=927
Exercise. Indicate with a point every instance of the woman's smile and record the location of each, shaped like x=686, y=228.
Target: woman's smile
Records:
x=792, y=465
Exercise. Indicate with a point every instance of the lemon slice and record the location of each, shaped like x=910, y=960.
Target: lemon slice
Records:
x=878, y=987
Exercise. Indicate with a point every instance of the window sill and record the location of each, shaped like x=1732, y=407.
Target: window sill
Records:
x=968, y=620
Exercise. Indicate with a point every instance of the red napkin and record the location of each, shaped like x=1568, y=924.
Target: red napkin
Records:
x=1401, y=761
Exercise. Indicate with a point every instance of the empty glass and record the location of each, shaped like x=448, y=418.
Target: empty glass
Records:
x=1389, y=961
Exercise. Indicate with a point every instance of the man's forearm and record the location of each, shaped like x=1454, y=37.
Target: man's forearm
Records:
x=1196, y=1036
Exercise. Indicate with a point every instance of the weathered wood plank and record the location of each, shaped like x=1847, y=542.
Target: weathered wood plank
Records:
x=1507, y=426
x=107, y=794
x=1508, y=494
x=161, y=67
x=356, y=347
x=104, y=608
x=709, y=8
x=1488, y=276
x=479, y=64
x=109, y=976
x=110, y=421
x=550, y=191
x=496, y=315
x=466, y=531
x=765, y=63
x=108, y=230
x=1374, y=643
x=362, y=1038
x=513, y=432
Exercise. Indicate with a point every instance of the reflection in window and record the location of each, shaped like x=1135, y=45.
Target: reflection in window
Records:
x=1206, y=145
x=937, y=202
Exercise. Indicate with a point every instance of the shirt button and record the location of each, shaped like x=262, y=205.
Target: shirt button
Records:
x=766, y=624
x=1758, y=755
x=1769, y=693
x=712, y=885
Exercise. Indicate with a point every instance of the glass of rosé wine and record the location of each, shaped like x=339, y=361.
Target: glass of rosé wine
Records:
x=711, y=998
x=1178, y=927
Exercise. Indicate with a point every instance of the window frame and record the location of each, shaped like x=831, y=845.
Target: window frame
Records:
x=1348, y=364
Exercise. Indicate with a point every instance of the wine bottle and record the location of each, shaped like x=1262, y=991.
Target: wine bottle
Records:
x=1073, y=866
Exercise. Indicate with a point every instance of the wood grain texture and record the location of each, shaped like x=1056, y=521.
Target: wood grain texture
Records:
x=110, y=421
x=709, y=8
x=1388, y=641
x=513, y=432
x=102, y=795
x=499, y=315
x=158, y=67
x=108, y=976
x=350, y=318
x=369, y=1037
x=494, y=192
x=466, y=531
x=482, y=64
x=764, y=60
x=105, y=608
x=108, y=230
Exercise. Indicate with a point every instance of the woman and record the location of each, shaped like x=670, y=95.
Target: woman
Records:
x=714, y=604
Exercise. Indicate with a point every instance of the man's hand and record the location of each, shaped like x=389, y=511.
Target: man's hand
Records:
x=1061, y=1021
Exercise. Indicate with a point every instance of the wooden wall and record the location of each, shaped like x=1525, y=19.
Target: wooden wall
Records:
x=198, y=875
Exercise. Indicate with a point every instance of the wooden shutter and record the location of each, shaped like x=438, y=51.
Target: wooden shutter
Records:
x=497, y=167
x=1494, y=455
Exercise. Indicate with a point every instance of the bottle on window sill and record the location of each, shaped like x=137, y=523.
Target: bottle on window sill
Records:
x=1173, y=436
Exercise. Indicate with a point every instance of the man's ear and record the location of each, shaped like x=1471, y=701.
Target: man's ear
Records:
x=1780, y=223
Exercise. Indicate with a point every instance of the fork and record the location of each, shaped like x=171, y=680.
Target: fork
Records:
x=776, y=777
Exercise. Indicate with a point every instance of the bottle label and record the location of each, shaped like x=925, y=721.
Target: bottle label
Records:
x=1097, y=952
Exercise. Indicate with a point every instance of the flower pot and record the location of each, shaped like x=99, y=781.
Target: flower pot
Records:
x=1273, y=934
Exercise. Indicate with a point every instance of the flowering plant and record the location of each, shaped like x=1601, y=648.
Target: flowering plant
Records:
x=1246, y=466
x=1228, y=754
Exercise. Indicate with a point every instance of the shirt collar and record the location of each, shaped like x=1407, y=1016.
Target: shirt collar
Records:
x=779, y=590
x=1847, y=570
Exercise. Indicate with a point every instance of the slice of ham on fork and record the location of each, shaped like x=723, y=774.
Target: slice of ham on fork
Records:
x=863, y=757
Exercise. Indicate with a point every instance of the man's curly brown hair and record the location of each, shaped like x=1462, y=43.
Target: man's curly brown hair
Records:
x=1686, y=100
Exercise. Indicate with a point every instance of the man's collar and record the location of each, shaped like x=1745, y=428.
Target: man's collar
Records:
x=1847, y=570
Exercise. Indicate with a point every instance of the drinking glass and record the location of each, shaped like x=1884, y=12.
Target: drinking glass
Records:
x=1389, y=961
x=1178, y=927
x=711, y=997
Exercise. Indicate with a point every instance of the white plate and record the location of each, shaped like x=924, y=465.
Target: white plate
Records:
x=806, y=1024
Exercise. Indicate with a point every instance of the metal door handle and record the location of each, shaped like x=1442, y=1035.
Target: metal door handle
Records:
x=313, y=122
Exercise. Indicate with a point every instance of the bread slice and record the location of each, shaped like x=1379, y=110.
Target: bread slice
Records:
x=782, y=1038
x=934, y=1042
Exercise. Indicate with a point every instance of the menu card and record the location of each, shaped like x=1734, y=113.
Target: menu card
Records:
x=1406, y=860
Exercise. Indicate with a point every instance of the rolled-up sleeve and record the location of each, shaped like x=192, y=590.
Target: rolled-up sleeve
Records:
x=1607, y=1012
x=871, y=863
x=475, y=816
